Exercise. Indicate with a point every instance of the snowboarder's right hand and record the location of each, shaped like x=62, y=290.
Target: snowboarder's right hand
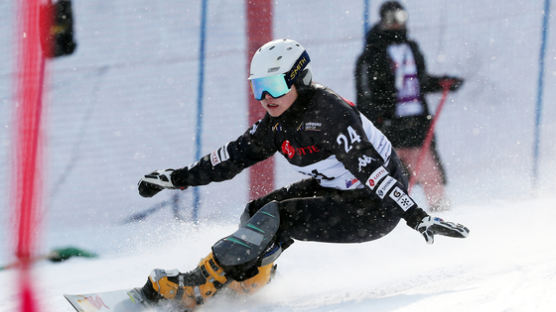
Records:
x=154, y=182
x=429, y=226
x=452, y=83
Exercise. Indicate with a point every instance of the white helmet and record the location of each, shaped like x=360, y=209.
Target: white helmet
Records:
x=277, y=57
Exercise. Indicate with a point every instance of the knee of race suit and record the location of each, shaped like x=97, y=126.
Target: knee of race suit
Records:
x=255, y=243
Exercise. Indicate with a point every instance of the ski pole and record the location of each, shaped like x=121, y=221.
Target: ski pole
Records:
x=430, y=133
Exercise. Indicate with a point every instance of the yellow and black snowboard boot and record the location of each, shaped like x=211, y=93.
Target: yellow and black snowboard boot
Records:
x=186, y=290
x=256, y=282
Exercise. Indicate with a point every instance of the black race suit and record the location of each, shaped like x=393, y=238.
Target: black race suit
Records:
x=356, y=189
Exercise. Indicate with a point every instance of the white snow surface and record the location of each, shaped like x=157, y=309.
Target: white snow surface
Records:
x=125, y=104
x=508, y=263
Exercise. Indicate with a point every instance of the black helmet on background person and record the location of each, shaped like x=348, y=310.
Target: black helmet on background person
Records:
x=393, y=14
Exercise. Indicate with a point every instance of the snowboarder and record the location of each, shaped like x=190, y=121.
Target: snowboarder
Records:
x=391, y=82
x=356, y=190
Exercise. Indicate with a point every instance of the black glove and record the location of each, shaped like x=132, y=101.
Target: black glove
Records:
x=154, y=182
x=429, y=226
x=452, y=83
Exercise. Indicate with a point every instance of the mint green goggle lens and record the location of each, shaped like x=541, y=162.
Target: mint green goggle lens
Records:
x=275, y=85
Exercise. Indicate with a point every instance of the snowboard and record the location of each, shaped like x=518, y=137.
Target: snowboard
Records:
x=124, y=300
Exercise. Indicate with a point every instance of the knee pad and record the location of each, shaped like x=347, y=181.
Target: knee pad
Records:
x=240, y=253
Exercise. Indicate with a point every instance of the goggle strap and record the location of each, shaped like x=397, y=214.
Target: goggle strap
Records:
x=297, y=68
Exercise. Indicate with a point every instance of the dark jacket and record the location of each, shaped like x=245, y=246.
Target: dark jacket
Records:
x=322, y=136
x=376, y=91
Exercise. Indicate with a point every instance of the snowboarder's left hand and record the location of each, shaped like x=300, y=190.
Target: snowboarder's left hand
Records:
x=430, y=226
x=154, y=182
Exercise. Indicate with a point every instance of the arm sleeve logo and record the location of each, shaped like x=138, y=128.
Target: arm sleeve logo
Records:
x=219, y=155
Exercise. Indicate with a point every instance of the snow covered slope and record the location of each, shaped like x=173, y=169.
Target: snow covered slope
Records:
x=507, y=264
x=125, y=104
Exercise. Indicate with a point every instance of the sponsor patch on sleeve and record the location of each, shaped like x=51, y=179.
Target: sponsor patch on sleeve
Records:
x=385, y=186
x=376, y=176
x=401, y=198
x=219, y=155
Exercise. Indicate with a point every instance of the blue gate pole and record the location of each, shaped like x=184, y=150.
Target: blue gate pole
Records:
x=366, y=5
x=200, y=90
x=540, y=87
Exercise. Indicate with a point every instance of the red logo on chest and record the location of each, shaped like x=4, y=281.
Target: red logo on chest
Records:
x=290, y=151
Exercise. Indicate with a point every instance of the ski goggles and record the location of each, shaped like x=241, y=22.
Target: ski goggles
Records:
x=278, y=85
x=275, y=85
x=395, y=17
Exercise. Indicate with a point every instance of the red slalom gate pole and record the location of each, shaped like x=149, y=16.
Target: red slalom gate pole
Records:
x=428, y=138
x=259, y=32
x=26, y=187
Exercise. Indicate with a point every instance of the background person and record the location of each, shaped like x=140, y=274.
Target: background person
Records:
x=391, y=82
